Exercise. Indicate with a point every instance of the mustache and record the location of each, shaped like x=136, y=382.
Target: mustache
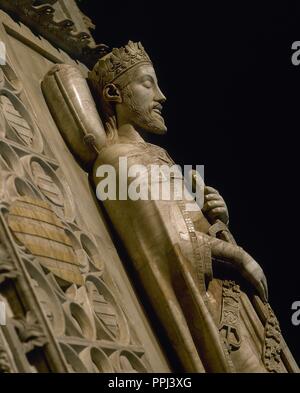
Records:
x=158, y=106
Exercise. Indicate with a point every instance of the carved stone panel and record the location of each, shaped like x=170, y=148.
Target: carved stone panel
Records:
x=72, y=306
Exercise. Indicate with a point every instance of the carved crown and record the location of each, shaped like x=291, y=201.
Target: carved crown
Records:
x=117, y=62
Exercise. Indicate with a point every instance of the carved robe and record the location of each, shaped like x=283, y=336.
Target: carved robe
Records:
x=173, y=261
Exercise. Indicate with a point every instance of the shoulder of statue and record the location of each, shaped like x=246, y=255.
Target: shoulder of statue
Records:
x=110, y=153
x=161, y=153
x=137, y=153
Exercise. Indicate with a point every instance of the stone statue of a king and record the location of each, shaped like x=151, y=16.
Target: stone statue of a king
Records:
x=208, y=293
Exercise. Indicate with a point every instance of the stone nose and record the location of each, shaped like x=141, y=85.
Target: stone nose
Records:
x=160, y=97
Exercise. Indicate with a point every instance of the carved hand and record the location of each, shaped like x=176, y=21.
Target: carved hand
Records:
x=254, y=274
x=214, y=206
x=240, y=260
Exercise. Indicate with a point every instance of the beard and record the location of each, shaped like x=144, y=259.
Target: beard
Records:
x=143, y=117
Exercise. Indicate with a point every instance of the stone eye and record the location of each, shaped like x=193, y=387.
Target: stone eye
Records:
x=147, y=84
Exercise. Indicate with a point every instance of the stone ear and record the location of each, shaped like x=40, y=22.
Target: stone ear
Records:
x=112, y=93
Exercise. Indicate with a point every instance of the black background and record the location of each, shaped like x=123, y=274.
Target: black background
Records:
x=232, y=105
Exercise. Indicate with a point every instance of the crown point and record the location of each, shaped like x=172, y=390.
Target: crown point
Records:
x=118, y=61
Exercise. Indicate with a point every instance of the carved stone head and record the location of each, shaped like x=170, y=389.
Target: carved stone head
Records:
x=127, y=86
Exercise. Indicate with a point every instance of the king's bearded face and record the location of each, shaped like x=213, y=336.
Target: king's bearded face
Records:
x=141, y=101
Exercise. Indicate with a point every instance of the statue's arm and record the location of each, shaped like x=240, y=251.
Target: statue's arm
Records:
x=240, y=260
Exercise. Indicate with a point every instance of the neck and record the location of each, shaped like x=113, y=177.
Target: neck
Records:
x=128, y=134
